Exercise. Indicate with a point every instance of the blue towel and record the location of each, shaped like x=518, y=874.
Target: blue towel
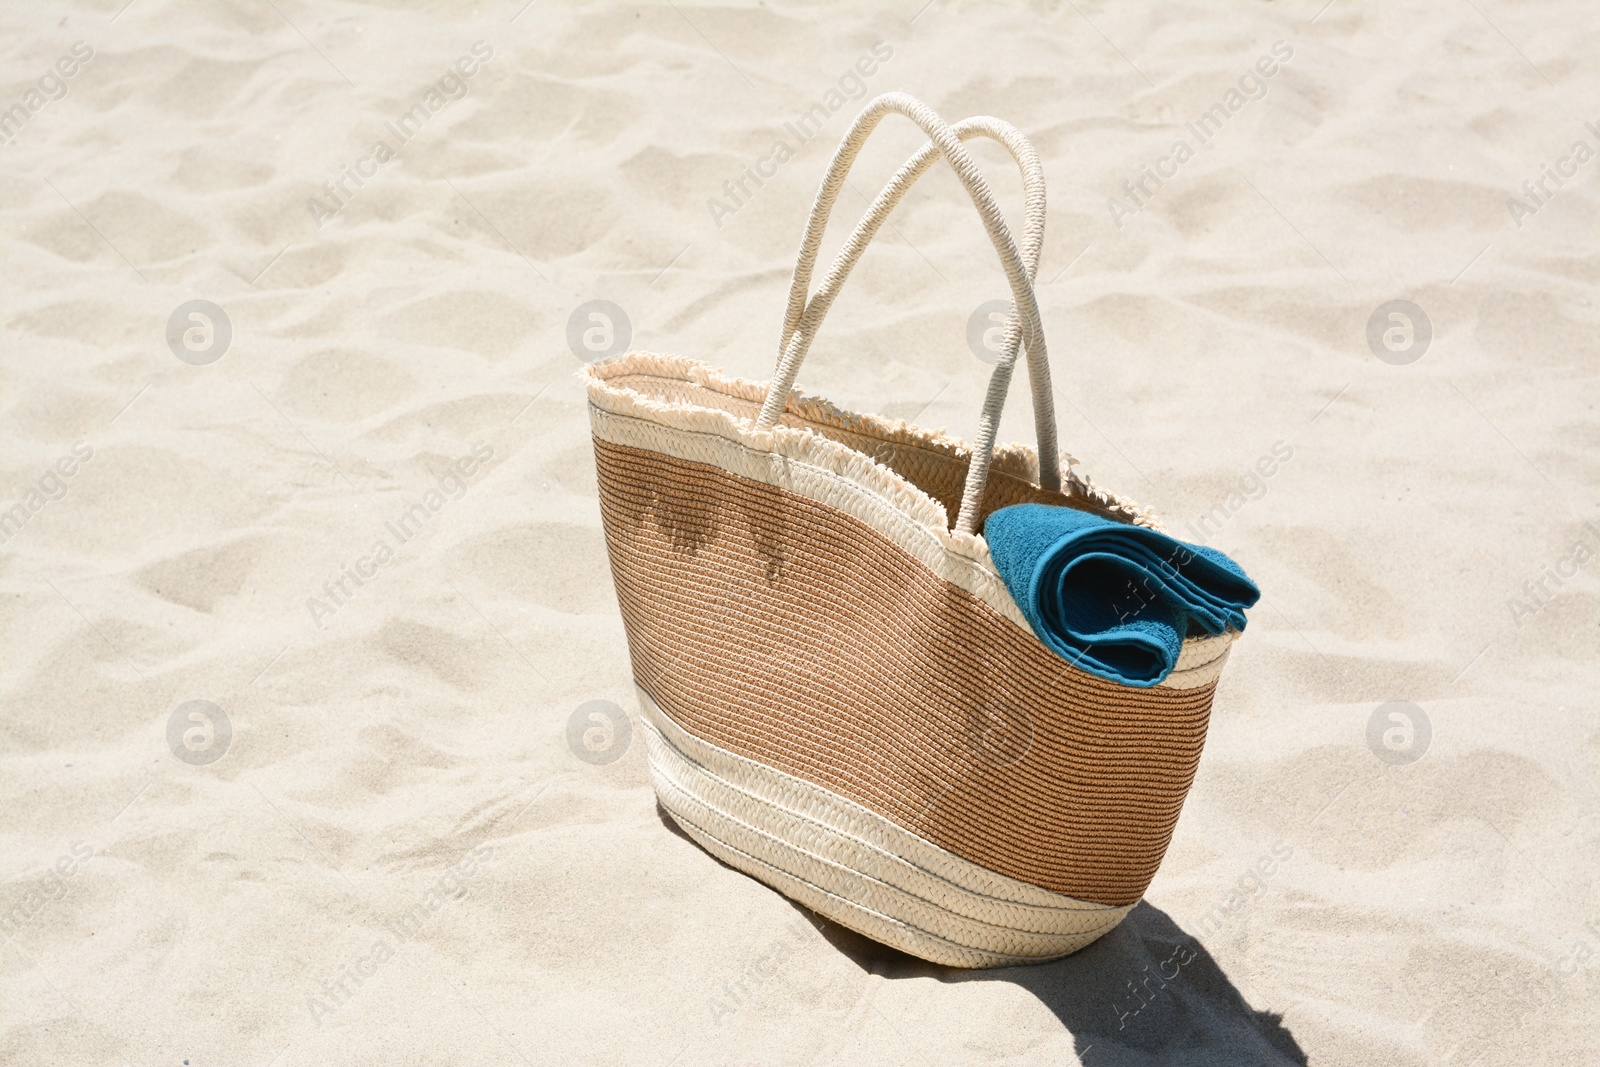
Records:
x=1112, y=599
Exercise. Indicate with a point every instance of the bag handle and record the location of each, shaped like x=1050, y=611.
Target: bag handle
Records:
x=1032, y=241
x=803, y=317
x=994, y=129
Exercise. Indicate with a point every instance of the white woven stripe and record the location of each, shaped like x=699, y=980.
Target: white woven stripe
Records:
x=849, y=914
x=856, y=867
x=846, y=816
x=760, y=855
x=825, y=471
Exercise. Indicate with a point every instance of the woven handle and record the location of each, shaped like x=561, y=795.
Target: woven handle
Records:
x=811, y=313
x=804, y=316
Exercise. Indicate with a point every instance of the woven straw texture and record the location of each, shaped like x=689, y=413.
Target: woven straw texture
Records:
x=853, y=865
x=795, y=635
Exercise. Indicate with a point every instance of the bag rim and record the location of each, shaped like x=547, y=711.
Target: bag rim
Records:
x=813, y=464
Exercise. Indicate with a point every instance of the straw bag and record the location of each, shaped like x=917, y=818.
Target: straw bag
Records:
x=838, y=695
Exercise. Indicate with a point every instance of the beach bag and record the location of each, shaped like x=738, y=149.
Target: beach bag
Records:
x=837, y=693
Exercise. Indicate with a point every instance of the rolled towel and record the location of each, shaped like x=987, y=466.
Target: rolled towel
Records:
x=1113, y=599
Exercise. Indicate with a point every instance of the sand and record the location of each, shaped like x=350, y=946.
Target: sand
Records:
x=373, y=841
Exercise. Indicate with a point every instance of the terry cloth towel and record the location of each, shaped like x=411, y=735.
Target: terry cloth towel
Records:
x=1112, y=599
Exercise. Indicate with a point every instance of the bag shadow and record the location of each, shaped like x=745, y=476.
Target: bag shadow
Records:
x=1115, y=996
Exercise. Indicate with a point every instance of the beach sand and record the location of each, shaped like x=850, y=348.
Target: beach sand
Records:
x=373, y=841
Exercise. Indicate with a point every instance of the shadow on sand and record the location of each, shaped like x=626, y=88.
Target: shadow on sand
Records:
x=1146, y=993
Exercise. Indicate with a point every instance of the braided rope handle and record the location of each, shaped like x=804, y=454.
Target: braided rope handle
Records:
x=1032, y=242
x=803, y=316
